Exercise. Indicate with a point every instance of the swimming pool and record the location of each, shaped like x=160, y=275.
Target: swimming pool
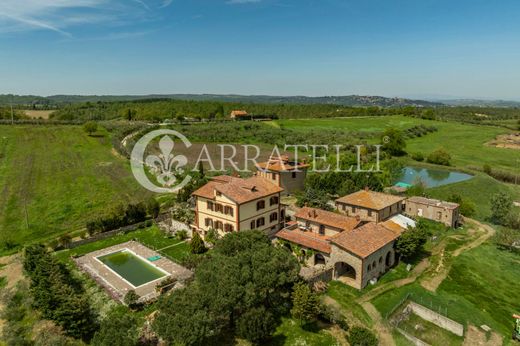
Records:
x=132, y=268
x=431, y=177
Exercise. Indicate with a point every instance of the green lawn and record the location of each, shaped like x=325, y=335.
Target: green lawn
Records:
x=291, y=333
x=488, y=278
x=479, y=190
x=465, y=142
x=481, y=288
x=346, y=296
x=429, y=332
x=152, y=237
x=364, y=124
x=55, y=178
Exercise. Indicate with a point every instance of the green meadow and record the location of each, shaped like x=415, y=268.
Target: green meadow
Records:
x=55, y=178
x=466, y=143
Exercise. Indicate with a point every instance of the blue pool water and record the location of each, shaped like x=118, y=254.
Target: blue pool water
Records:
x=431, y=177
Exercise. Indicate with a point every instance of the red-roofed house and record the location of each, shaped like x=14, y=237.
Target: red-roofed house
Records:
x=230, y=204
x=351, y=250
x=370, y=205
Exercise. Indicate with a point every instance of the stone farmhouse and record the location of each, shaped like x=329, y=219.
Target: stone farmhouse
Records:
x=231, y=204
x=354, y=244
x=352, y=250
x=433, y=209
x=370, y=205
x=287, y=174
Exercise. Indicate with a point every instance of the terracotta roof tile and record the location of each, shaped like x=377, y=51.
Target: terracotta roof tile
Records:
x=238, y=189
x=281, y=164
x=365, y=240
x=370, y=199
x=307, y=239
x=238, y=113
x=327, y=218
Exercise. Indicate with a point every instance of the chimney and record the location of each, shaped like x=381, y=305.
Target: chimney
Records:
x=315, y=213
x=367, y=189
x=358, y=218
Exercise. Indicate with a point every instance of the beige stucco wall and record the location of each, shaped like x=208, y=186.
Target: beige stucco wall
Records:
x=448, y=217
x=243, y=214
x=248, y=213
x=369, y=214
x=202, y=212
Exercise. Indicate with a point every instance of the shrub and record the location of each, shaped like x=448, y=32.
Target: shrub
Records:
x=306, y=305
x=90, y=127
x=359, y=336
x=501, y=206
x=487, y=169
x=418, y=156
x=439, y=157
x=211, y=236
x=181, y=234
x=153, y=207
x=197, y=244
x=393, y=142
x=131, y=298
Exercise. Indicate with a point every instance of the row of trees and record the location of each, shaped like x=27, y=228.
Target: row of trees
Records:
x=161, y=109
x=124, y=215
x=57, y=294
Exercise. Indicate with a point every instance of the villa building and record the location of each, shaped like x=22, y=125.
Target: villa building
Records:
x=433, y=209
x=370, y=206
x=231, y=204
x=287, y=174
x=353, y=252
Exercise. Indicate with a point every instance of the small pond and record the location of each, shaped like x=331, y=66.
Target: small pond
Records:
x=431, y=177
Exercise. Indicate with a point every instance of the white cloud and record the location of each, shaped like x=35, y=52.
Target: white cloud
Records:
x=61, y=15
x=240, y=2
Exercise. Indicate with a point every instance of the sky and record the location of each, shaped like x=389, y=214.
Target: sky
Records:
x=407, y=48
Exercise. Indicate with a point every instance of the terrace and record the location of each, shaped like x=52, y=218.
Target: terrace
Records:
x=131, y=266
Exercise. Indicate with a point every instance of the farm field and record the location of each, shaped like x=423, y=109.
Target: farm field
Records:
x=464, y=142
x=54, y=179
x=38, y=114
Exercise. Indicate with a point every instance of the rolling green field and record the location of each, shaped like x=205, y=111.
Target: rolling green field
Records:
x=481, y=288
x=464, y=142
x=55, y=178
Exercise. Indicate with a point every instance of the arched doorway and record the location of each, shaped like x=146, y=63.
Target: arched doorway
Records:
x=344, y=270
x=389, y=261
x=319, y=259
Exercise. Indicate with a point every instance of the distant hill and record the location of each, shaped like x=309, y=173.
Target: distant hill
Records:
x=481, y=103
x=351, y=100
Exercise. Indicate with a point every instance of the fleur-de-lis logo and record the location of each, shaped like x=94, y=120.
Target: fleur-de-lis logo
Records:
x=166, y=165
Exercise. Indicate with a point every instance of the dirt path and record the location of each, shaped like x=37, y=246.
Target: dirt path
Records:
x=12, y=271
x=442, y=270
x=477, y=337
x=432, y=283
x=384, y=334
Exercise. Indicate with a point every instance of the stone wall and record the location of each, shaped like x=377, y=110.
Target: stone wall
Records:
x=437, y=319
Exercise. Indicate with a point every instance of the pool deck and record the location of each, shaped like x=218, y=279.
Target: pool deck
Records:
x=115, y=285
